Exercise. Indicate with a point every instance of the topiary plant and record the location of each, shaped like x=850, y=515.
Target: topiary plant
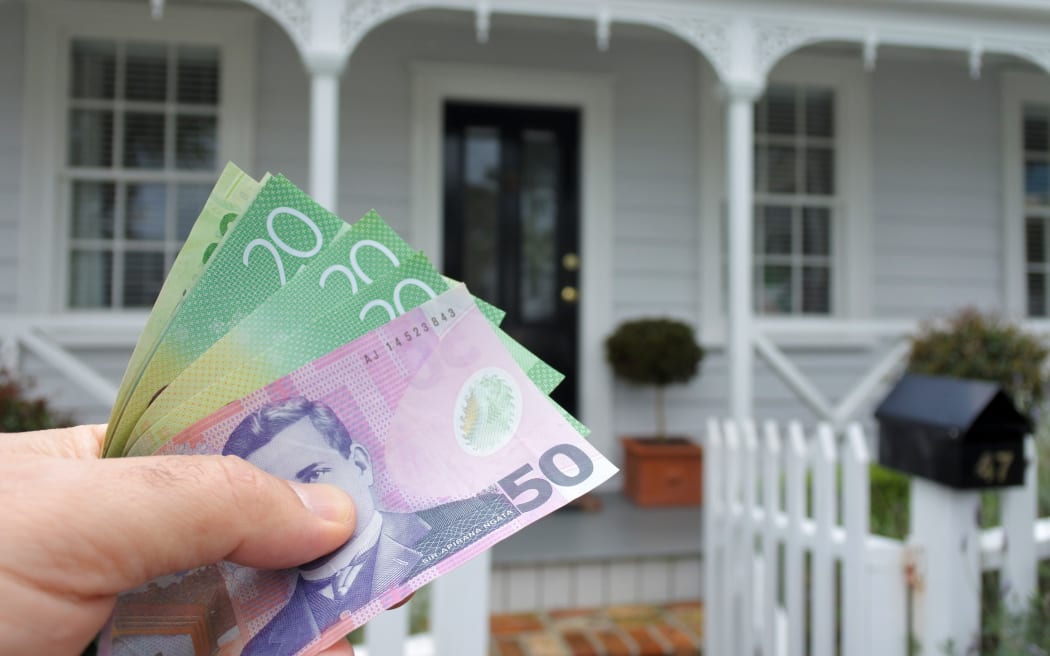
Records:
x=655, y=352
x=975, y=345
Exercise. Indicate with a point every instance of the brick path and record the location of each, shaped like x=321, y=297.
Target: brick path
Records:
x=667, y=630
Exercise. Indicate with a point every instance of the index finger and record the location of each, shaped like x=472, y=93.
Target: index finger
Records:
x=77, y=442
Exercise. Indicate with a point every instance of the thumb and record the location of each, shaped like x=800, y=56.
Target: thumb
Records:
x=127, y=521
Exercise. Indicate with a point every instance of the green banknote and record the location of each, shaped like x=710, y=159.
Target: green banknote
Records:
x=230, y=197
x=348, y=265
x=281, y=232
x=235, y=366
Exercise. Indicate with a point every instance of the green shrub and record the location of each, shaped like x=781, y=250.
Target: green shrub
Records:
x=20, y=412
x=1015, y=634
x=889, y=502
x=981, y=346
x=654, y=352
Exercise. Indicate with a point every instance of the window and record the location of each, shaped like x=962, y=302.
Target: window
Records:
x=142, y=152
x=795, y=200
x=811, y=244
x=1035, y=156
x=128, y=122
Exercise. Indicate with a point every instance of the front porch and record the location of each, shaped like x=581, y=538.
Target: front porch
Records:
x=621, y=554
x=670, y=200
x=926, y=214
x=621, y=580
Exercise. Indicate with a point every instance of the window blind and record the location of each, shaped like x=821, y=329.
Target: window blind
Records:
x=143, y=127
x=794, y=200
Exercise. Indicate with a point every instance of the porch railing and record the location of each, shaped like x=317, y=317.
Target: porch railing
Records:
x=773, y=338
x=53, y=340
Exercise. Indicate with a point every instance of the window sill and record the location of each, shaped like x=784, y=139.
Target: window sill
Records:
x=819, y=333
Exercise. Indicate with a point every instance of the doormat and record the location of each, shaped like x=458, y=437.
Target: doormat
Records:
x=635, y=630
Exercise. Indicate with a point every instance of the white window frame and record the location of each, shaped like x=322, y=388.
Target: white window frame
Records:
x=52, y=25
x=1018, y=89
x=796, y=260
x=851, y=246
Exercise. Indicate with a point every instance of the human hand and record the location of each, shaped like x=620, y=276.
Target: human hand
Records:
x=75, y=530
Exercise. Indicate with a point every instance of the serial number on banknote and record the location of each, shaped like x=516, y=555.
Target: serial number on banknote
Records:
x=424, y=327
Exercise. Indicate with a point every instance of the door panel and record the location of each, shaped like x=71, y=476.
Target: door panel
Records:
x=512, y=222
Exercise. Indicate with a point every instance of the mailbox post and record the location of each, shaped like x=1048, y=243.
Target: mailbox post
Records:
x=955, y=437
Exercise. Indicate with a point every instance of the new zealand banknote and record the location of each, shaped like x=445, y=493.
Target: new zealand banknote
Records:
x=233, y=193
x=344, y=267
x=282, y=231
x=443, y=442
x=263, y=348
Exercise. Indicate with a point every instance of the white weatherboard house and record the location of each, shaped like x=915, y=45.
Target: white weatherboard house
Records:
x=802, y=180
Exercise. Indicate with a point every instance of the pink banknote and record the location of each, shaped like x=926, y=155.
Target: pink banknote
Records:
x=443, y=442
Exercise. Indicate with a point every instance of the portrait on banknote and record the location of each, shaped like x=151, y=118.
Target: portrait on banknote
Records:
x=302, y=440
x=439, y=436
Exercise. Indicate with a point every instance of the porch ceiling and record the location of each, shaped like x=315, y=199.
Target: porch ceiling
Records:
x=743, y=40
x=1018, y=9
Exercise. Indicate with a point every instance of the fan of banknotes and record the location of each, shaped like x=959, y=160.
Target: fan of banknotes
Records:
x=324, y=351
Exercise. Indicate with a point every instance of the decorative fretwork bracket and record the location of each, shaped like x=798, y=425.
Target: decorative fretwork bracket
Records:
x=741, y=50
x=326, y=31
x=708, y=34
x=742, y=46
x=774, y=40
x=292, y=15
x=1038, y=54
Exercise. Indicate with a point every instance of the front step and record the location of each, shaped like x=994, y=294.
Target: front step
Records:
x=634, y=630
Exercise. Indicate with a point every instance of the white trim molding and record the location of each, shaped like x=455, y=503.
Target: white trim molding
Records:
x=742, y=39
x=51, y=26
x=1017, y=90
x=432, y=85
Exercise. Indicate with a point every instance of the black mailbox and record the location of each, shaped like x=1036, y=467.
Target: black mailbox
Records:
x=959, y=432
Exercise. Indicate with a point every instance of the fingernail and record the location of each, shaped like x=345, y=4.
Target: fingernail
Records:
x=326, y=501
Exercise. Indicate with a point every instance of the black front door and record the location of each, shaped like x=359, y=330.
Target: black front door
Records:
x=512, y=223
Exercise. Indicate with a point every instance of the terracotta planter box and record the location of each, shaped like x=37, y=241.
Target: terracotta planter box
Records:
x=663, y=473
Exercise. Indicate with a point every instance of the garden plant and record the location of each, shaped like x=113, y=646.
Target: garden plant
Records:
x=975, y=345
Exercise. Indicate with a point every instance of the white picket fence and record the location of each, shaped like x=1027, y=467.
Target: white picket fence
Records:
x=791, y=569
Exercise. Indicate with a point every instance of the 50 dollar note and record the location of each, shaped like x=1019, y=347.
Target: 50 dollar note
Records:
x=444, y=444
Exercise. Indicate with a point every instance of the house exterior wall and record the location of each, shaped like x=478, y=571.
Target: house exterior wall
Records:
x=936, y=188
x=655, y=117
x=12, y=66
x=936, y=229
x=935, y=159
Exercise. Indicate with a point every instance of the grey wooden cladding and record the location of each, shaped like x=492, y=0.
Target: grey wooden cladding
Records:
x=12, y=66
x=595, y=583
